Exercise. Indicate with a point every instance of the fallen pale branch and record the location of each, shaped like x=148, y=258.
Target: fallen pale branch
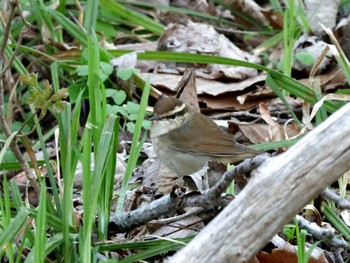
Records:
x=279, y=189
x=178, y=199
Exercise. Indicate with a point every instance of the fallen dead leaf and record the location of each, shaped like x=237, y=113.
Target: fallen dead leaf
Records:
x=200, y=38
x=204, y=86
x=285, y=253
x=276, y=131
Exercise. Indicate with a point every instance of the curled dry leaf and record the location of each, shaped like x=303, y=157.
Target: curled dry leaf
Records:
x=200, y=38
x=285, y=253
x=126, y=61
x=276, y=131
x=329, y=80
x=259, y=132
x=203, y=86
x=321, y=10
x=157, y=176
x=187, y=89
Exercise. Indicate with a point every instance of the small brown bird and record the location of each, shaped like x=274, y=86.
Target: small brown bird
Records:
x=185, y=140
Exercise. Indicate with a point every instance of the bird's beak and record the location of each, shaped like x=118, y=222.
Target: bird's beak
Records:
x=155, y=118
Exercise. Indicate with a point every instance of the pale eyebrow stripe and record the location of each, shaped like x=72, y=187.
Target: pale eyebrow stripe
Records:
x=177, y=109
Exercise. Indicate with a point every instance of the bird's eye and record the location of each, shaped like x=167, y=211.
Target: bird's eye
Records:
x=172, y=116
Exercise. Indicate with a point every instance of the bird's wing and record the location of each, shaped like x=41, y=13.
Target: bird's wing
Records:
x=220, y=145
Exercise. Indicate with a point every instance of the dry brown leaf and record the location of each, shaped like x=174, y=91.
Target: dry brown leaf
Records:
x=256, y=133
x=274, y=17
x=329, y=80
x=285, y=253
x=204, y=86
x=321, y=10
x=226, y=102
x=276, y=131
x=187, y=89
x=157, y=176
x=200, y=38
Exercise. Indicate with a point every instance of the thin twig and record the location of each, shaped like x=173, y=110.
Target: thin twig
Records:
x=340, y=202
x=326, y=235
x=7, y=28
x=19, y=41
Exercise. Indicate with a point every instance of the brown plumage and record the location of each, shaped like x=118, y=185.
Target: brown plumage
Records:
x=185, y=140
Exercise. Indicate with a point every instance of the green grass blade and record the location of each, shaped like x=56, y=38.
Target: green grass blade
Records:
x=13, y=228
x=40, y=232
x=104, y=206
x=6, y=217
x=53, y=221
x=191, y=12
x=134, y=17
x=135, y=146
x=16, y=196
x=7, y=145
x=73, y=29
x=52, y=243
x=91, y=13
x=273, y=85
x=162, y=248
x=94, y=190
x=16, y=165
x=336, y=221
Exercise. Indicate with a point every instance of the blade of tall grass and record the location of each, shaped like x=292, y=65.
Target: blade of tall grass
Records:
x=40, y=227
x=273, y=85
x=97, y=113
x=93, y=191
x=162, y=248
x=105, y=199
x=73, y=29
x=134, y=17
x=272, y=41
x=12, y=230
x=17, y=64
x=16, y=165
x=6, y=217
x=136, y=146
x=68, y=163
x=321, y=115
x=192, y=12
x=289, y=29
x=16, y=196
x=157, y=243
x=275, y=4
x=336, y=221
x=240, y=14
x=7, y=145
x=90, y=15
x=52, y=243
x=53, y=221
x=43, y=20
